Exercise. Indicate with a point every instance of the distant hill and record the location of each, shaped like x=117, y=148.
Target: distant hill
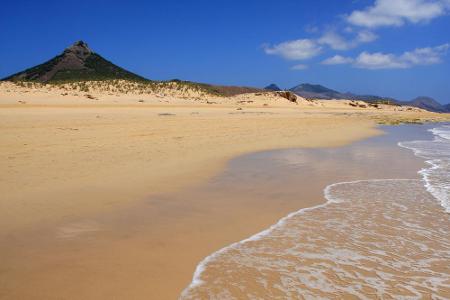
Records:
x=317, y=91
x=447, y=107
x=76, y=63
x=272, y=87
x=428, y=104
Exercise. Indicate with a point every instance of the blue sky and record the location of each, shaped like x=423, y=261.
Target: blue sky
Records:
x=396, y=48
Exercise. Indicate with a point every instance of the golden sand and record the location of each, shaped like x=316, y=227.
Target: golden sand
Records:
x=68, y=161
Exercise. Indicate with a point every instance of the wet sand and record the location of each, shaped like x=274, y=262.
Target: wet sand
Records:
x=62, y=162
x=149, y=249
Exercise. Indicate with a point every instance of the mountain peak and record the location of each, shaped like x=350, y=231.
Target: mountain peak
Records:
x=81, y=43
x=315, y=88
x=78, y=50
x=79, y=47
x=272, y=87
x=428, y=103
x=76, y=63
x=316, y=91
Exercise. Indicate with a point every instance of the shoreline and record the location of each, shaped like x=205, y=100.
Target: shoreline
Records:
x=157, y=250
x=327, y=200
x=201, y=266
x=212, y=266
x=320, y=202
x=431, y=165
x=119, y=189
x=152, y=244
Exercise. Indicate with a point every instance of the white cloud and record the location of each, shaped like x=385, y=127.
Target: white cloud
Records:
x=425, y=56
x=334, y=41
x=366, y=37
x=295, y=50
x=360, y=30
x=420, y=56
x=337, y=60
x=378, y=60
x=349, y=29
x=299, y=67
x=337, y=42
x=398, y=12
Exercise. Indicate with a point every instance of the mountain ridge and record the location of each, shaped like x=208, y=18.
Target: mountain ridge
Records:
x=428, y=103
x=317, y=91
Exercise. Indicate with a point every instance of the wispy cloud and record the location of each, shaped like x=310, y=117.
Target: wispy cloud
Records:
x=311, y=29
x=299, y=67
x=301, y=49
x=366, y=36
x=426, y=56
x=417, y=57
x=378, y=60
x=398, y=12
x=337, y=60
x=334, y=41
x=338, y=42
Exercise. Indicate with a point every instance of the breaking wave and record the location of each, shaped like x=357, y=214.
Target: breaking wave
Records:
x=437, y=155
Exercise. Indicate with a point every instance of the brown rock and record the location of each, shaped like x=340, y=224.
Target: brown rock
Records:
x=288, y=95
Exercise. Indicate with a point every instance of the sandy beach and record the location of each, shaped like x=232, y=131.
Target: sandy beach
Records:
x=230, y=150
x=77, y=173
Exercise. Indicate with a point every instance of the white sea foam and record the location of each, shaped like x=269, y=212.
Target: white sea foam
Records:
x=196, y=280
x=443, y=131
x=437, y=155
x=372, y=239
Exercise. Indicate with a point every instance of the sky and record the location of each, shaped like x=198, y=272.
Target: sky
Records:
x=393, y=48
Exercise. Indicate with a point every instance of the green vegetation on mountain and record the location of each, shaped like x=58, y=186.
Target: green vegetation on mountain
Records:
x=76, y=63
x=96, y=68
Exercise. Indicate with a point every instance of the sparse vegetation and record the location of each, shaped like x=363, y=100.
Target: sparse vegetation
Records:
x=378, y=102
x=136, y=87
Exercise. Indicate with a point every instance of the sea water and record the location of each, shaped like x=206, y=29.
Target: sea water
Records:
x=437, y=155
x=373, y=238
